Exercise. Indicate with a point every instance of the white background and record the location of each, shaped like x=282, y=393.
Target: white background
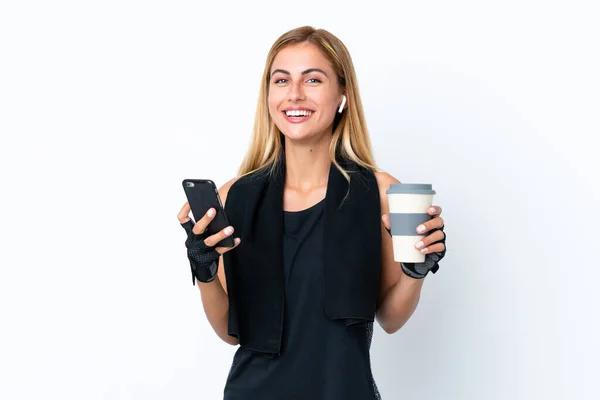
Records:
x=106, y=106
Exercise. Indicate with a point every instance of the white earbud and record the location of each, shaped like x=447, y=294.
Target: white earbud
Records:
x=343, y=104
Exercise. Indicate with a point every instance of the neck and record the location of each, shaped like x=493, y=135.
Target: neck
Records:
x=307, y=164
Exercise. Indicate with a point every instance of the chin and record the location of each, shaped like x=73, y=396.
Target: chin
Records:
x=299, y=134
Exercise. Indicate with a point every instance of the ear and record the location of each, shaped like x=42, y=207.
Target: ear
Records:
x=343, y=104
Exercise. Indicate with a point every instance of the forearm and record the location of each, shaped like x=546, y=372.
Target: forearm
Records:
x=216, y=307
x=399, y=304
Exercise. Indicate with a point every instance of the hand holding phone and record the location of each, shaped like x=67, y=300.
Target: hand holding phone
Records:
x=208, y=229
x=202, y=195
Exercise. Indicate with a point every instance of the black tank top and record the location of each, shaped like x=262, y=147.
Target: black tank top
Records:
x=320, y=359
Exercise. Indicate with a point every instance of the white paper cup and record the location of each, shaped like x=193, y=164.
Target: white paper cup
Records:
x=408, y=209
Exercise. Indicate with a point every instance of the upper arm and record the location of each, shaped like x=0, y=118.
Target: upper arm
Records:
x=223, y=191
x=391, y=272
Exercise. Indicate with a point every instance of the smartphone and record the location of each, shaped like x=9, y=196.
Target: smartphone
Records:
x=202, y=194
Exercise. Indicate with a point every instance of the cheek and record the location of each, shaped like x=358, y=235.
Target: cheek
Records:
x=273, y=102
x=328, y=107
x=328, y=101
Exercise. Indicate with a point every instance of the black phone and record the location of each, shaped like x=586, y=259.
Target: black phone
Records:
x=202, y=194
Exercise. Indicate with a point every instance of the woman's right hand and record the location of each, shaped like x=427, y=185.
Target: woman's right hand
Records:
x=201, y=249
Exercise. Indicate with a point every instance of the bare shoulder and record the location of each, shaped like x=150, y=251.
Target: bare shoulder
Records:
x=224, y=190
x=384, y=180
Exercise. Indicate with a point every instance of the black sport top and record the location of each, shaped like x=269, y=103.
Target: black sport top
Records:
x=321, y=359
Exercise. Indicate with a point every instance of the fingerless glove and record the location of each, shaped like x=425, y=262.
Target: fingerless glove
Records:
x=203, y=258
x=431, y=263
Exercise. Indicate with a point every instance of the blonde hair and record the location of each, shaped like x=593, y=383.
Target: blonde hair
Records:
x=350, y=138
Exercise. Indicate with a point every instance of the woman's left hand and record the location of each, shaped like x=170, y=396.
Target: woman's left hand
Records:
x=433, y=244
x=430, y=243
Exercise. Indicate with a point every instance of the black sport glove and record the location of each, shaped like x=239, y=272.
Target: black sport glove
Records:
x=203, y=258
x=420, y=270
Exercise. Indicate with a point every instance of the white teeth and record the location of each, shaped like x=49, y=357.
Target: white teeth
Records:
x=298, y=113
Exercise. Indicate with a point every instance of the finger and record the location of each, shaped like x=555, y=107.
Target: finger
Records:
x=434, y=210
x=223, y=250
x=386, y=221
x=204, y=221
x=184, y=214
x=429, y=225
x=434, y=248
x=217, y=237
x=429, y=239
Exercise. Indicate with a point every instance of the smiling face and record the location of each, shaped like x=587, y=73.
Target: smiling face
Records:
x=304, y=93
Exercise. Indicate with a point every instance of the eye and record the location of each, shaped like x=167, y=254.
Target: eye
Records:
x=314, y=80
x=279, y=81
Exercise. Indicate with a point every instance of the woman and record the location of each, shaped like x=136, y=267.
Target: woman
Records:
x=312, y=266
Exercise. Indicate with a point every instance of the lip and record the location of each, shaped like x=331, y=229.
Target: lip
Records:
x=297, y=120
x=297, y=109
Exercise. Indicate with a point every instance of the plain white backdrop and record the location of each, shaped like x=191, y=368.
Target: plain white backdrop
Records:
x=105, y=107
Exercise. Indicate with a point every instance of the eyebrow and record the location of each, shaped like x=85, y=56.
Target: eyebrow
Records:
x=306, y=71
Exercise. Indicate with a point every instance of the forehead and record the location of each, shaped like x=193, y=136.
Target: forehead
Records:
x=299, y=57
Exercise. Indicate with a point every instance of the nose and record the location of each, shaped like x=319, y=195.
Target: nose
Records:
x=296, y=91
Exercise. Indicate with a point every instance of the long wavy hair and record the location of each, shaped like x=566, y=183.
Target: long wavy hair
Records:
x=350, y=139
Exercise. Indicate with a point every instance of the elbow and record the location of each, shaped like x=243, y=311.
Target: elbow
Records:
x=230, y=340
x=389, y=325
x=391, y=329
x=392, y=322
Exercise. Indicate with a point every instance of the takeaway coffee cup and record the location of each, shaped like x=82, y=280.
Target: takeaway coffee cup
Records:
x=408, y=209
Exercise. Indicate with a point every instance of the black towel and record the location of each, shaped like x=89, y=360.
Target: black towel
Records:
x=351, y=262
